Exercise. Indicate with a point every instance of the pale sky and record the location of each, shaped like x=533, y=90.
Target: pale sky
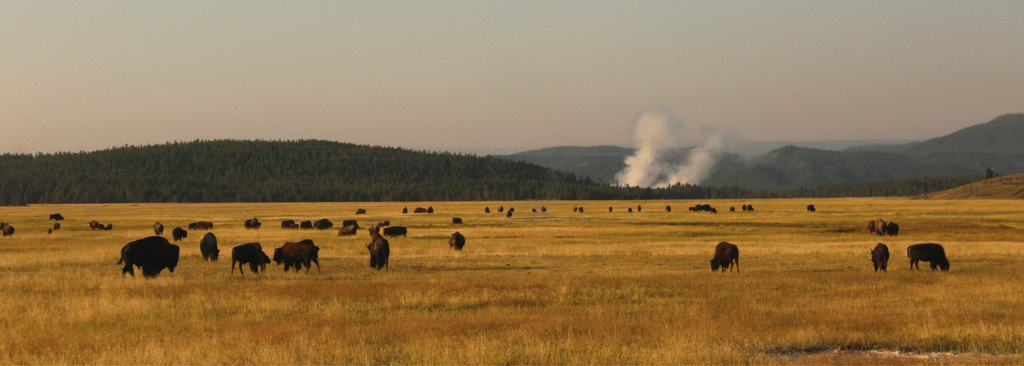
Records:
x=87, y=75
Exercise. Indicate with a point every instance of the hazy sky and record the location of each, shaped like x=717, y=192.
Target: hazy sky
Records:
x=86, y=75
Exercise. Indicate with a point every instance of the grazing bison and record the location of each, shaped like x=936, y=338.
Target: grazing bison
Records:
x=56, y=217
x=152, y=254
x=201, y=225
x=543, y=209
x=744, y=207
x=293, y=226
x=386, y=223
x=158, y=228
x=6, y=229
x=192, y=226
x=405, y=210
x=361, y=211
x=298, y=254
x=511, y=209
x=725, y=255
x=56, y=226
x=609, y=208
x=350, y=222
x=287, y=224
x=928, y=252
x=95, y=225
x=252, y=254
x=732, y=209
x=881, y=227
x=535, y=210
x=208, y=247
x=394, y=231
x=419, y=210
x=348, y=230
x=810, y=208
x=880, y=257
x=49, y=231
x=179, y=233
x=714, y=211
x=892, y=229
x=253, y=223
x=487, y=210
x=630, y=210
x=109, y=227
x=379, y=250
x=430, y=209
x=501, y=209
x=575, y=209
x=456, y=220
x=638, y=208
x=750, y=207
x=457, y=241
x=508, y=215
x=668, y=208
x=306, y=225
x=323, y=224
x=871, y=227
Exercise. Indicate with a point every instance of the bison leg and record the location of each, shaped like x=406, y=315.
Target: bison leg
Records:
x=317, y=265
x=254, y=267
x=737, y=261
x=129, y=269
x=876, y=265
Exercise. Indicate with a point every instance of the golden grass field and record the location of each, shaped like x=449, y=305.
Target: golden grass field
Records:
x=555, y=288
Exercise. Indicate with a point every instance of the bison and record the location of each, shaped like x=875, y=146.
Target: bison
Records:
x=253, y=223
x=501, y=209
x=892, y=229
x=56, y=217
x=508, y=215
x=287, y=224
x=575, y=209
x=6, y=229
x=880, y=257
x=871, y=227
x=360, y=211
x=379, y=250
x=638, y=208
x=419, y=210
x=158, y=228
x=535, y=210
x=744, y=207
x=668, y=208
x=251, y=253
x=56, y=226
x=732, y=209
x=179, y=233
x=306, y=224
x=881, y=227
x=405, y=210
x=350, y=222
x=609, y=208
x=201, y=225
x=152, y=254
x=630, y=210
x=543, y=209
x=208, y=247
x=298, y=254
x=430, y=209
x=348, y=230
x=386, y=223
x=810, y=208
x=750, y=207
x=928, y=252
x=95, y=225
x=487, y=210
x=323, y=224
x=725, y=255
x=457, y=241
x=456, y=220
x=394, y=231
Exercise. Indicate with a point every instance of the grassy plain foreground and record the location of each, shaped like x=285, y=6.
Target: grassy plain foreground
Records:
x=554, y=288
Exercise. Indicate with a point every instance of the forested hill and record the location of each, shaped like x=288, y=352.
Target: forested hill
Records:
x=271, y=171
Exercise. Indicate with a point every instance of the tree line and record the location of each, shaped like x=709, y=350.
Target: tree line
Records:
x=324, y=171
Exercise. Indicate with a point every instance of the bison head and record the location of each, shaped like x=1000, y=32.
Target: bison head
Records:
x=715, y=265
x=278, y=256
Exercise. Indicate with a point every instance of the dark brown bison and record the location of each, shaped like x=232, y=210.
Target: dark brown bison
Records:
x=456, y=220
x=179, y=233
x=638, y=208
x=487, y=210
x=395, y=231
x=208, y=247
x=880, y=257
x=928, y=252
x=350, y=222
x=297, y=255
x=575, y=209
x=293, y=226
x=158, y=228
x=430, y=209
x=405, y=210
x=49, y=231
x=609, y=209
x=457, y=241
x=152, y=254
x=725, y=255
x=535, y=210
x=881, y=227
x=732, y=209
x=810, y=208
x=6, y=229
x=379, y=249
x=348, y=230
x=56, y=217
x=508, y=215
x=581, y=209
x=252, y=223
x=419, y=210
x=361, y=211
x=668, y=208
x=252, y=254
x=892, y=229
x=543, y=209
x=306, y=225
x=200, y=225
x=56, y=226
x=750, y=207
x=630, y=210
x=744, y=207
x=95, y=225
x=323, y=224
x=287, y=224
x=501, y=209
x=386, y=223
x=871, y=227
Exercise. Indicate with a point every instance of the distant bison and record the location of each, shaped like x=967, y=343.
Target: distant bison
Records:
x=361, y=211
x=297, y=255
x=508, y=215
x=892, y=229
x=750, y=207
x=487, y=210
x=109, y=227
x=880, y=257
x=208, y=247
x=158, y=228
x=535, y=210
x=386, y=223
x=6, y=229
x=306, y=224
x=732, y=209
x=379, y=249
x=252, y=254
x=56, y=226
x=405, y=210
x=95, y=225
x=152, y=254
x=457, y=241
x=638, y=208
x=57, y=217
x=609, y=209
x=543, y=209
x=201, y=225
x=725, y=255
x=456, y=220
x=581, y=209
x=179, y=233
x=575, y=209
x=419, y=210
x=928, y=252
x=323, y=224
x=348, y=230
x=630, y=210
x=501, y=209
x=744, y=207
x=287, y=224
x=871, y=227
x=430, y=209
x=395, y=231
x=350, y=222
x=881, y=227
x=668, y=208
x=252, y=223
x=810, y=208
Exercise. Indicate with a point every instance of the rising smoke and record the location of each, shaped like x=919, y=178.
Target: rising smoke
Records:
x=658, y=134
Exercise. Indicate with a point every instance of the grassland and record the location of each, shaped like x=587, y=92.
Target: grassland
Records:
x=554, y=288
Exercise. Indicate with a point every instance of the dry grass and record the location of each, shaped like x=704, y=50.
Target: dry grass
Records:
x=555, y=288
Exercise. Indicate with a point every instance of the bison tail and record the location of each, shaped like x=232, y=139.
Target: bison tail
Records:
x=121, y=260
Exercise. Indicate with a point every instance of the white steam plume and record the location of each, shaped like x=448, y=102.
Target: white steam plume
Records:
x=657, y=133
